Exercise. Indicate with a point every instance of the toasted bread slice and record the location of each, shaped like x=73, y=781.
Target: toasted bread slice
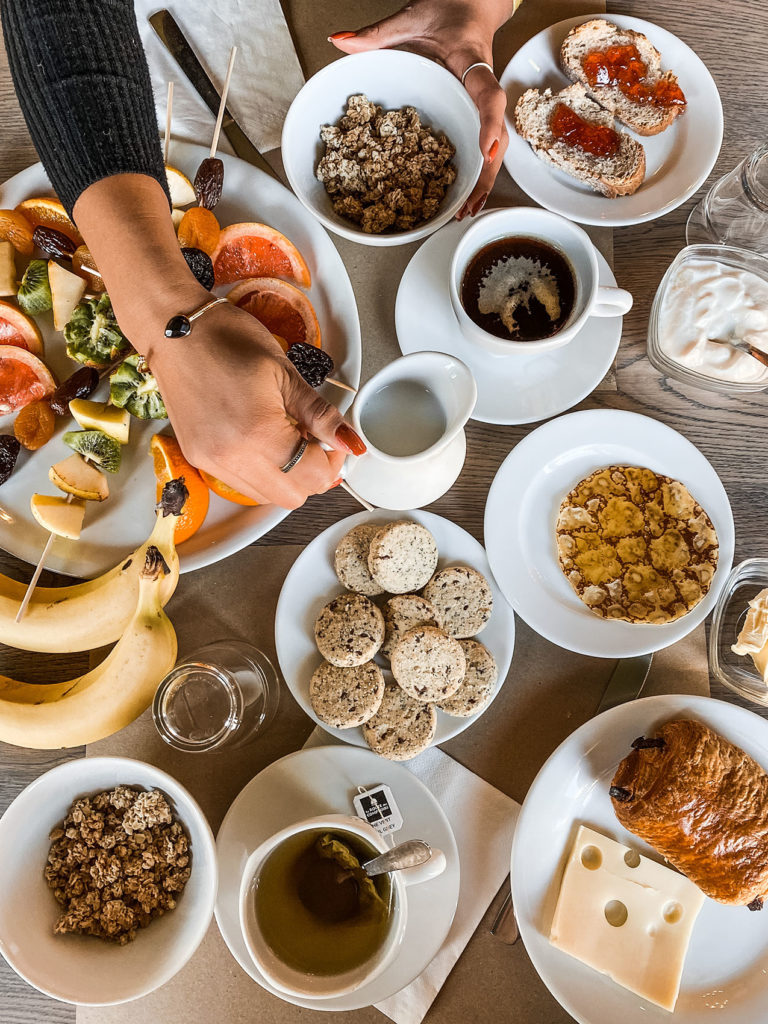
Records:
x=599, y=34
x=618, y=175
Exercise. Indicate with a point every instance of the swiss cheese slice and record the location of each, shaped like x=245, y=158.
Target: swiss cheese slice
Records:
x=632, y=923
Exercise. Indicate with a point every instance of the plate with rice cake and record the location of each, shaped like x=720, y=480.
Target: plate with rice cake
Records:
x=609, y=533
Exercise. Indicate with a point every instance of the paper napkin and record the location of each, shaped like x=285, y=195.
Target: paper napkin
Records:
x=266, y=77
x=483, y=821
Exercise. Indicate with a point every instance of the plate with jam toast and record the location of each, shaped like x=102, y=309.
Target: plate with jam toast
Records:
x=623, y=115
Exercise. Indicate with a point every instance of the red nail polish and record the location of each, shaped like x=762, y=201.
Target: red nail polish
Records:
x=338, y=36
x=349, y=440
x=335, y=483
x=479, y=204
x=493, y=150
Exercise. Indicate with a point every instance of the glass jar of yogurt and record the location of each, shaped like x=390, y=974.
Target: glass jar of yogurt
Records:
x=711, y=292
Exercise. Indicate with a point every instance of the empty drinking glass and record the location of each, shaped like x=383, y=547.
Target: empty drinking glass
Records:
x=735, y=210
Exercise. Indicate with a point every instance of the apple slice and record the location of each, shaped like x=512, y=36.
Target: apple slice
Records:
x=8, y=283
x=66, y=291
x=62, y=516
x=100, y=416
x=76, y=476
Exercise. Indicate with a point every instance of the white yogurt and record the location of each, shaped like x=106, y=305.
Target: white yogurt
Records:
x=706, y=299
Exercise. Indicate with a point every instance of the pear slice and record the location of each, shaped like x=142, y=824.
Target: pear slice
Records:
x=8, y=282
x=100, y=416
x=180, y=187
x=58, y=515
x=76, y=476
x=67, y=289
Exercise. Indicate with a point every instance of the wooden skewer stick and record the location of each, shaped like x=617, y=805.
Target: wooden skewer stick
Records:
x=340, y=384
x=223, y=104
x=168, y=116
x=36, y=574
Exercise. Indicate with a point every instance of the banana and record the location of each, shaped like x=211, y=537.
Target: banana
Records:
x=95, y=613
x=110, y=696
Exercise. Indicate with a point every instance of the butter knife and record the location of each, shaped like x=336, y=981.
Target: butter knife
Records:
x=179, y=48
x=626, y=683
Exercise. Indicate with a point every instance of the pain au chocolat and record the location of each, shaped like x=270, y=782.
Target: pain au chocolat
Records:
x=635, y=545
x=703, y=804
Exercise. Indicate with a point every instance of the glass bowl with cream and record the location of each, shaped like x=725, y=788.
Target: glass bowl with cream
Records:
x=711, y=294
x=738, y=638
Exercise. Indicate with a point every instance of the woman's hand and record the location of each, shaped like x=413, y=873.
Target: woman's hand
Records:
x=238, y=407
x=456, y=33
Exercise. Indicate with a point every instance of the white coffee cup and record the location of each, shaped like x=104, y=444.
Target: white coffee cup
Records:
x=296, y=983
x=591, y=298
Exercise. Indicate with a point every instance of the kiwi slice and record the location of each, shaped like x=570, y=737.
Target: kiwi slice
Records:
x=97, y=446
x=34, y=295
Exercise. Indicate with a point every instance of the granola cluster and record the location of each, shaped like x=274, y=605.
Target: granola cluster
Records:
x=119, y=860
x=384, y=170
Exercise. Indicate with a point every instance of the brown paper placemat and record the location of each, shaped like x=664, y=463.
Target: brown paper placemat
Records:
x=549, y=692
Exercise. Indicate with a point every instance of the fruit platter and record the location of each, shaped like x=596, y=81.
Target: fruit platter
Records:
x=102, y=445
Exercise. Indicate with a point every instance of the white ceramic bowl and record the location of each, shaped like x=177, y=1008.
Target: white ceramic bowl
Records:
x=83, y=969
x=393, y=79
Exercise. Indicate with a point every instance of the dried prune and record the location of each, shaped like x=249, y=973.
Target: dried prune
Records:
x=199, y=263
x=313, y=364
x=79, y=385
x=34, y=425
x=53, y=243
x=9, y=452
x=209, y=182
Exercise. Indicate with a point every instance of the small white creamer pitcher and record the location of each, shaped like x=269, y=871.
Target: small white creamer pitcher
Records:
x=436, y=444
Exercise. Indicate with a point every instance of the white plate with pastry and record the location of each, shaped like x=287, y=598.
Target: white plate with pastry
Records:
x=722, y=977
x=313, y=582
x=677, y=159
x=535, y=485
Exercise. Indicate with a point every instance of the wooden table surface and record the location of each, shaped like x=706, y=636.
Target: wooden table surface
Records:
x=731, y=433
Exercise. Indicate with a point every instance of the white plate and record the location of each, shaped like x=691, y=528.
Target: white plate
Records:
x=121, y=523
x=525, y=498
x=312, y=583
x=724, y=977
x=324, y=780
x=678, y=160
x=510, y=389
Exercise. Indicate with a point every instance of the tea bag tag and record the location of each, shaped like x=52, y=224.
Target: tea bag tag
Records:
x=377, y=806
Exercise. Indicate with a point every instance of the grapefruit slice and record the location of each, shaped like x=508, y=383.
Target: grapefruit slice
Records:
x=256, y=250
x=284, y=310
x=23, y=379
x=16, y=328
x=49, y=212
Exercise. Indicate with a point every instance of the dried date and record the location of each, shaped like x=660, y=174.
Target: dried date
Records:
x=53, y=243
x=209, y=182
x=79, y=385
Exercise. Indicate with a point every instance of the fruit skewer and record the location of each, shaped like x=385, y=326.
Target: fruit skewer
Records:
x=209, y=180
x=36, y=574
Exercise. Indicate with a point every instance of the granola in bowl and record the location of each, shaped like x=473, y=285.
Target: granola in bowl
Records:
x=118, y=860
x=383, y=169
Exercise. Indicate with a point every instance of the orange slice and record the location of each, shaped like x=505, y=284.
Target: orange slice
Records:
x=16, y=328
x=199, y=229
x=225, y=491
x=23, y=379
x=169, y=464
x=16, y=229
x=256, y=250
x=51, y=214
x=284, y=310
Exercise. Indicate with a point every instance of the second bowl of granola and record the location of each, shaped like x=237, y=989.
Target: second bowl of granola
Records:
x=109, y=880
x=382, y=147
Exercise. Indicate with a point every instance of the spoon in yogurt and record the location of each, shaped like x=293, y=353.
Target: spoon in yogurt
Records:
x=742, y=345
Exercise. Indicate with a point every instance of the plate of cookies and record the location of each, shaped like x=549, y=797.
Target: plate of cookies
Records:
x=392, y=633
x=609, y=533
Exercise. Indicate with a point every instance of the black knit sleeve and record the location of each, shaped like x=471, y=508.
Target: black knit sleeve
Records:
x=84, y=87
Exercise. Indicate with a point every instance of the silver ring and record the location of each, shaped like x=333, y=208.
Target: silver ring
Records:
x=297, y=457
x=477, y=64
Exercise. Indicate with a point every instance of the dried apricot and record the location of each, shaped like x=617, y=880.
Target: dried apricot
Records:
x=199, y=229
x=34, y=425
x=16, y=229
x=85, y=265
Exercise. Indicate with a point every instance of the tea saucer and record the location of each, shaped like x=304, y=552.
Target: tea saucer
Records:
x=322, y=780
x=510, y=389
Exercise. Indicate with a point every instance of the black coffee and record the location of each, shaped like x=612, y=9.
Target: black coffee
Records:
x=519, y=289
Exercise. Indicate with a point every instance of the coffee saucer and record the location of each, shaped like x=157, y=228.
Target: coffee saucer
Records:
x=510, y=389
x=323, y=780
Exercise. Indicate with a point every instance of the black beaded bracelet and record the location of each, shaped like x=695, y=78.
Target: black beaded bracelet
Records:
x=180, y=326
